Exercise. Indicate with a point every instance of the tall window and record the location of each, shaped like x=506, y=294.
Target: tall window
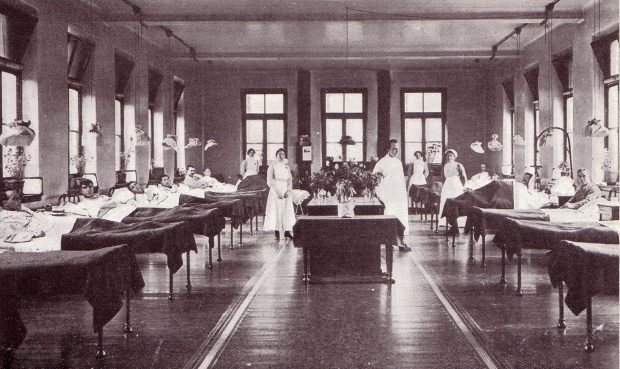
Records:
x=423, y=123
x=531, y=77
x=508, y=128
x=179, y=124
x=151, y=131
x=264, y=122
x=75, y=126
x=611, y=106
x=536, y=130
x=568, y=121
x=11, y=101
x=344, y=114
x=156, y=129
x=119, y=131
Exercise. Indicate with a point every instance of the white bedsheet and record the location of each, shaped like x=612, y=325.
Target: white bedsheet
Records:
x=51, y=241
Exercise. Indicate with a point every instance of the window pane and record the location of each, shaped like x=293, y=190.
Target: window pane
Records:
x=117, y=117
x=254, y=131
x=436, y=159
x=410, y=149
x=274, y=103
x=117, y=157
x=9, y=97
x=271, y=151
x=355, y=129
x=432, y=102
x=74, y=113
x=74, y=148
x=333, y=130
x=433, y=129
x=413, y=130
x=275, y=130
x=355, y=152
x=613, y=124
x=613, y=65
x=413, y=102
x=255, y=103
x=334, y=103
x=334, y=150
x=353, y=103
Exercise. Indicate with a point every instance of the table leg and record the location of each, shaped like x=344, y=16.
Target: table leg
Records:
x=188, y=284
x=100, y=352
x=240, y=234
x=305, y=258
x=561, y=321
x=519, y=292
x=432, y=220
x=128, y=310
x=210, y=247
x=389, y=258
x=471, y=245
x=589, y=341
x=170, y=287
x=231, y=233
x=437, y=223
x=219, y=248
x=502, y=280
x=484, y=247
x=453, y=240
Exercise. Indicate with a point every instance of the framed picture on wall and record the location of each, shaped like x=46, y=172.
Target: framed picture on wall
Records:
x=306, y=153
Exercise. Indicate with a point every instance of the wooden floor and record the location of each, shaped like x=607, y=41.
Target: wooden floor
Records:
x=253, y=311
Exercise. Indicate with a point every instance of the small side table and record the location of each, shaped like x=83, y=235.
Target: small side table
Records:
x=610, y=211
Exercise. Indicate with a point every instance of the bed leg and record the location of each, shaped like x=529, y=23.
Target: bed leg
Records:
x=170, y=286
x=432, y=220
x=589, y=341
x=471, y=246
x=436, y=223
x=219, y=248
x=561, y=321
x=251, y=223
x=210, y=247
x=128, y=307
x=484, y=248
x=305, y=258
x=231, y=234
x=188, y=285
x=519, y=292
x=502, y=280
x=100, y=352
x=240, y=234
x=453, y=240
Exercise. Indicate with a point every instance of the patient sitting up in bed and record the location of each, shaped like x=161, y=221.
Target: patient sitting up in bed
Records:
x=17, y=222
x=92, y=205
x=193, y=180
x=164, y=195
x=526, y=199
x=587, y=193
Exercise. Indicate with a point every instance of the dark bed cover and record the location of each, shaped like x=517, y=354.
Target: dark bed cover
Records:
x=232, y=208
x=495, y=195
x=253, y=183
x=172, y=239
x=202, y=219
x=102, y=276
x=251, y=200
x=588, y=269
x=479, y=219
x=427, y=194
x=535, y=234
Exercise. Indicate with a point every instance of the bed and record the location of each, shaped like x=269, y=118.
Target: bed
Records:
x=429, y=197
x=515, y=235
x=103, y=276
x=587, y=269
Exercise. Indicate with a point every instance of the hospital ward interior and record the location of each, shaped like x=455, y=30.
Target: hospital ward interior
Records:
x=196, y=184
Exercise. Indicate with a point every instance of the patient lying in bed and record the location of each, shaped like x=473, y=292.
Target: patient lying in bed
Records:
x=18, y=223
x=193, y=183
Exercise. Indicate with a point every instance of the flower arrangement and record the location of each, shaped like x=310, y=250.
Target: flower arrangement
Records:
x=142, y=138
x=344, y=190
x=432, y=151
x=79, y=162
x=545, y=139
x=95, y=128
x=15, y=162
x=125, y=157
x=606, y=161
x=564, y=168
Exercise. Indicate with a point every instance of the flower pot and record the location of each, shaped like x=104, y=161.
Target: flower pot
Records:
x=121, y=177
x=611, y=177
x=13, y=184
x=346, y=210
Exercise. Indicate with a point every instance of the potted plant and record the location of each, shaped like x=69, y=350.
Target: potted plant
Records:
x=121, y=175
x=611, y=176
x=344, y=192
x=79, y=162
x=15, y=161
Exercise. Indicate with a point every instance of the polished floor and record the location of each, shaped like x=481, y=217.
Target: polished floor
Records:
x=253, y=311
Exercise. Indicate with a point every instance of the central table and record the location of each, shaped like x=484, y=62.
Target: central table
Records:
x=347, y=250
x=329, y=206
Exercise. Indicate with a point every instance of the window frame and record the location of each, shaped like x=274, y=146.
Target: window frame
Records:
x=568, y=94
x=15, y=69
x=79, y=132
x=121, y=99
x=151, y=117
x=264, y=117
x=408, y=115
x=536, y=126
x=343, y=116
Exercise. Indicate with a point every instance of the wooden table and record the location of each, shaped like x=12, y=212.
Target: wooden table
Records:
x=611, y=189
x=609, y=211
x=347, y=250
x=329, y=206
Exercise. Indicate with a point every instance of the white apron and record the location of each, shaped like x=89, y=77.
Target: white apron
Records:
x=417, y=178
x=279, y=214
x=392, y=190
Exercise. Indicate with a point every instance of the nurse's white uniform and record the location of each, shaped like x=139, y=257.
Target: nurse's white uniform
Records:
x=279, y=214
x=392, y=189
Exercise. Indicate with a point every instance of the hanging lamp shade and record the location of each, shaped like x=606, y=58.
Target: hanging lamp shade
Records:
x=212, y=142
x=594, y=128
x=142, y=139
x=518, y=140
x=477, y=147
x=193, y=142
x=170, y=142
x=494, y=144
x=347, y=140
x=17, y=133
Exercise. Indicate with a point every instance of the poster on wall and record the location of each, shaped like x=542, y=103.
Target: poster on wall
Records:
x=306, y=153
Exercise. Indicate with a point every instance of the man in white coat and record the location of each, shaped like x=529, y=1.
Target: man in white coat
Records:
x=392, y=190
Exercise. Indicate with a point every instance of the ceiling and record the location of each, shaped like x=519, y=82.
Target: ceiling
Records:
x=331, y=33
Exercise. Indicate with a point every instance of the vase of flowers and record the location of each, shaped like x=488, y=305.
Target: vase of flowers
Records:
x=611, y=175
x=344, y=193
x=15, y=161
x=79, y=163
x=125, y=158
